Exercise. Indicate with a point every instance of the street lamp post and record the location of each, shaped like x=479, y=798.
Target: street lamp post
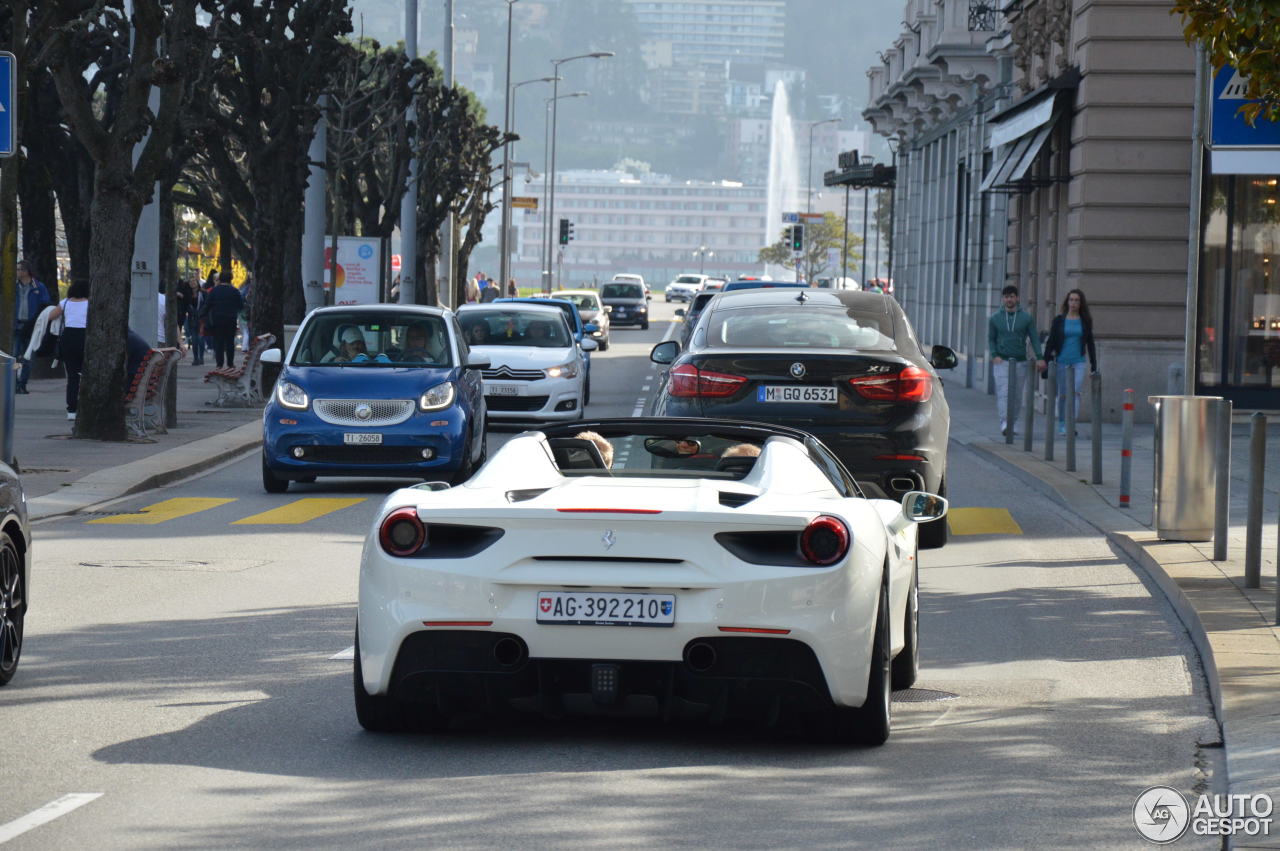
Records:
x=702, y=254
x=509, y=120
x=808, y=272
x=551, y=171
x=547, y=234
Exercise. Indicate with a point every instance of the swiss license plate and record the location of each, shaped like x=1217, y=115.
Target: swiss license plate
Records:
x=360, y=439
x=605, y=608
x=796, y=393
x=503, y=390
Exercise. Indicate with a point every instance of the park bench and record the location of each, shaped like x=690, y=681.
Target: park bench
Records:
x=158, y=391
x=241, y=386
x=140, y=387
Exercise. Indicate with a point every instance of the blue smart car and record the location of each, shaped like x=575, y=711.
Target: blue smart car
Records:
x=379, y=390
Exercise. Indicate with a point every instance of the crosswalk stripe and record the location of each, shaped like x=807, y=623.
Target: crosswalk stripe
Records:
x=982, y=521
x=170, y=509
x=300, y=511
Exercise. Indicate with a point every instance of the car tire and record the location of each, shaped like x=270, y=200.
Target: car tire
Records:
x=906, y=665
x=586, y=394
x=668, y=299
x=604, y=344
x=933, y=535
x=14, y=597
x=272, y=483
x=644, y=326
x=382, y=713
x=469, y=469
x=869, y=723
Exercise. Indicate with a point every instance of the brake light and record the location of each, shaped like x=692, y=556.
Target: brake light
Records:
x=825, y=540
x=912, y=384
x=402, y=532
x=688, y=380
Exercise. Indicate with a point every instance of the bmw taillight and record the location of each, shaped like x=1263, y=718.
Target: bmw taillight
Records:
x=688, y=380
x=402, y=532
x=825, y=540
x=912, y=384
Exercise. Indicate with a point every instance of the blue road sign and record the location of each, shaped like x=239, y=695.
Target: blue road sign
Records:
x=1229, y=129
x=8, y=97
x=790, y=218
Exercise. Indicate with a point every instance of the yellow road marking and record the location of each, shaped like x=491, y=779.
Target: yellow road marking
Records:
x=300, y=511
x=982, y=521
x=170, y=509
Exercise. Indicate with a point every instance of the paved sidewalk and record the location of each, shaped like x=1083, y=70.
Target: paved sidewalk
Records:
x=61, y=475
x=1234, y=628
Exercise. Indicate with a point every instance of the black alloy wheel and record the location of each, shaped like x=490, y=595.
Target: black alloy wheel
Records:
x=869, y=723
x=13, y=607
x=906, y=665
x=272, y=483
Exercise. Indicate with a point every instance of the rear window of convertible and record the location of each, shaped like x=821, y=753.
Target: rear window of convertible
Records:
x=798, y=327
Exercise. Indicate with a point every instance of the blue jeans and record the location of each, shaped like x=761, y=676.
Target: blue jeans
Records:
x=1073, y=374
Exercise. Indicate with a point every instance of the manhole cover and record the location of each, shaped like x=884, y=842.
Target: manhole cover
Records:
x=922, y=695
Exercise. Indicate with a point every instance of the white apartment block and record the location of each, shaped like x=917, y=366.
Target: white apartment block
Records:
x=714, y=30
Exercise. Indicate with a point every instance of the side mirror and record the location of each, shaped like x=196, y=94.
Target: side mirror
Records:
x=271, y=356
x=665, y=352
x=608, y=308
x=943, y=357
x=921, y=507
x=590, y=328
x=679, y=311
x=588, y=345
x=477, y=361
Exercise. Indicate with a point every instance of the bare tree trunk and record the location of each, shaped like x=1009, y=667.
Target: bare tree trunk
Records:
x=169, y=286
x=8, y=249
x=224, y=249
x=295, y=303
x=73, y=185
x=39, y=227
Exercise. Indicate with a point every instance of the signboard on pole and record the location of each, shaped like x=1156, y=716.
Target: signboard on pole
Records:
x=1237, y=148
x=519, y=202
x=8, y=102
x=790, y=218
x=359, y=268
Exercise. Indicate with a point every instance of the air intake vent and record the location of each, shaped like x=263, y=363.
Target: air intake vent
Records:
x=730, y=499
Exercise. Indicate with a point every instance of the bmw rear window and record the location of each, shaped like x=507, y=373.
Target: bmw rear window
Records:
x=780, y=327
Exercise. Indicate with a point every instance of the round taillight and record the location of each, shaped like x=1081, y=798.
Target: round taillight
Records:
x=402, y=533
x=825, y=540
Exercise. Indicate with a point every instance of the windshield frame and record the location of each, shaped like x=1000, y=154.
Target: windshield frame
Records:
x=387, y=329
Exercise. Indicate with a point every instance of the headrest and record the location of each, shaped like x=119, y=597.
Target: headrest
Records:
x=576, y=453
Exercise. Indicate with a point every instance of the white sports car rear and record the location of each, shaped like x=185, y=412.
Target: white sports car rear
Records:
x=675, y=567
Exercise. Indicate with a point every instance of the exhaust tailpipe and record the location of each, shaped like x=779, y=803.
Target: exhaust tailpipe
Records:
x=902, y=483
x=700, y=657
x=509, y=652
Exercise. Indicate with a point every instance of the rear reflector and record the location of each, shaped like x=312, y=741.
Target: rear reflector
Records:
x=756, y=629
x=688, y=380
x=610, y=510
x=899, y=457
x=912, y=384
x=457, y=623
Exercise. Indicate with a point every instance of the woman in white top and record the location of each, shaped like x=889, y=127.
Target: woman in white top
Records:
x=75, y=312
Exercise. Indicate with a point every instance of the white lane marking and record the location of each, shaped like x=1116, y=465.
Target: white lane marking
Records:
x=671, y=330
x=345, y=655
x=45, y=814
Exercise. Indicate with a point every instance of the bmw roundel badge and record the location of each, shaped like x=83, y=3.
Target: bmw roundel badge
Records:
x=797, y=370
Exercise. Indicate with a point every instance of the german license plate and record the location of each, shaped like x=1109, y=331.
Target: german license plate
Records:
x=605, y=608
x=359, y=439
x=796, y=393
x=503, y=390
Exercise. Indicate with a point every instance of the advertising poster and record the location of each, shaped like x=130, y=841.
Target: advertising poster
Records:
x=359, y=269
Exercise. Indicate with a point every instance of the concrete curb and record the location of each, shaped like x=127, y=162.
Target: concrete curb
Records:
x=156, y=471
x=1229, y=625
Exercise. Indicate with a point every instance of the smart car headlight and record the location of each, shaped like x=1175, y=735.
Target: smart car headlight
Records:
x=440, y=396
x=291, y=396
x=564, y=370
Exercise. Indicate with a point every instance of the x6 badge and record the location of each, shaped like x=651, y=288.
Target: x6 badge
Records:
x=797, y=370
x=609, y=539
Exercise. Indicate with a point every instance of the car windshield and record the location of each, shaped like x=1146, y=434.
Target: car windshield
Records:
x=582, y=301
x=698, y=454
x=622, y=291
x=514, y=327
x=688, y=279
x=800, y=327
x=373, y=339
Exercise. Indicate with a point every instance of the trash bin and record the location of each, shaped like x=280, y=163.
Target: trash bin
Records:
x=1186, y=465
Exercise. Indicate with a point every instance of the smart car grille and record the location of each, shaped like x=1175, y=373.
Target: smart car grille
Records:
x=515, y=403
x=506, y=373
x=382, y=412
x=373, y=455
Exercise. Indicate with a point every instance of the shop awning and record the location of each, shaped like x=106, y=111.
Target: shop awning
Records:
x=1017, y=140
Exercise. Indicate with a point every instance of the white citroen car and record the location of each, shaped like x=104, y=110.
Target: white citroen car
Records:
x=537, y=370
x=694, y=568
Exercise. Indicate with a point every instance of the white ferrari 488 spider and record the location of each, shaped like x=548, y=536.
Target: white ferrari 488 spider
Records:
x=667, y=567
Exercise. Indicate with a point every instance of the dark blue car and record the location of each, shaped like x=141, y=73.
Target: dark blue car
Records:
x=375, y=390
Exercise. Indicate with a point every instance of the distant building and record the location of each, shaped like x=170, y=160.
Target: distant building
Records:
x=714, y=30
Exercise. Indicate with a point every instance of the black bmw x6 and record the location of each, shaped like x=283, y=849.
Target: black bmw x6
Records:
x=844, y=366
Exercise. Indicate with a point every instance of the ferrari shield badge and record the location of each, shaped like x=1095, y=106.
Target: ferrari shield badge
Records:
x=609, y=539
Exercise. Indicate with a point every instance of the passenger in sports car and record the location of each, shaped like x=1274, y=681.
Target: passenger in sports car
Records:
x=605, y=447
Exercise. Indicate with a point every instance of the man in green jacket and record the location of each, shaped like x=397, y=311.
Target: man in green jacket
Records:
x=1008, y=332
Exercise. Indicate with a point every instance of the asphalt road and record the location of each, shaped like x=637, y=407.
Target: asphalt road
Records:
x=195, y=674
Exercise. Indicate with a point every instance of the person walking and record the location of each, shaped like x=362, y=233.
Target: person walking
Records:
x=74, y=311
x=222, y=310
x=1070, y=339
x=473, y=290
x=32, y=297
x=1008, y=332
x=195, y=339
x=512, y=291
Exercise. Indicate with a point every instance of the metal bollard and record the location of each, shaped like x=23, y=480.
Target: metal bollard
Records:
x=1257, y=477
x=1010, y=400
x=1051, y=391
x=1069, y=412
x=1126, y=449
x=1029, y=414
x=1095, y=406
x=8, y=387
x=1222, y=488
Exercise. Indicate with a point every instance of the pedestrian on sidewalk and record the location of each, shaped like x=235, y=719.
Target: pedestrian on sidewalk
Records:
x=74, y=311
x=32, y=298
x=222, y=312
x=1070, y=339
x=512, y=291
x=202, y=317
x=1008, y=332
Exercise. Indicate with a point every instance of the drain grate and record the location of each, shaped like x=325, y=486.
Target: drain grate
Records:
x=35, y=471
x=923, y=695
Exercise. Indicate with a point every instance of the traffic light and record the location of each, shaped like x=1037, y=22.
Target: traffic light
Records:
x=786, y=235
x=571, y=237
x=564, y=231
x=797, y=237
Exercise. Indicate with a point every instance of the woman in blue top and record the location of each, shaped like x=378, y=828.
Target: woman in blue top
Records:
x=1070, y=339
